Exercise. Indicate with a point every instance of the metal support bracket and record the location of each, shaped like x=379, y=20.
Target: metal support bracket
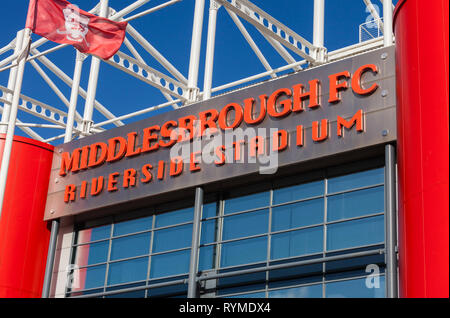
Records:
x=214, y=5
x=320, y=55
x=81, y=56
x=193, y=95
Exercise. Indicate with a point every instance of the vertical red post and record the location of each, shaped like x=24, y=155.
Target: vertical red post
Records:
x=422, y=55
x=24, y=236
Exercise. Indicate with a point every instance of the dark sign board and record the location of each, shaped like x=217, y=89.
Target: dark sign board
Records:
x=316, y=113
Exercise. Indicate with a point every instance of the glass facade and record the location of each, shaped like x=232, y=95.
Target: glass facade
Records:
x=315, y=239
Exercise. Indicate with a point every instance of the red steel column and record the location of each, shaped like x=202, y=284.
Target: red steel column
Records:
x=24, y=236
x=422, y=54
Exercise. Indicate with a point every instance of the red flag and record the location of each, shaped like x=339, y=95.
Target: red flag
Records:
x=62, y=22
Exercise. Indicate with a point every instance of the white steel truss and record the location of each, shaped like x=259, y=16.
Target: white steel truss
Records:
x=177, y=88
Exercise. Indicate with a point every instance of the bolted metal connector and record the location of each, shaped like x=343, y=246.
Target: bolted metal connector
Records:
x=52, y=211
x=384, y=56
x=385, y=132
x=384, y=93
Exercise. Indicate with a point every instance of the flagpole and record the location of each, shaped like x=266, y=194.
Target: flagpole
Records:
x=21, y=60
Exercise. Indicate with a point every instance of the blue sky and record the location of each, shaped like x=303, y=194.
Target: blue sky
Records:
x=169, y=31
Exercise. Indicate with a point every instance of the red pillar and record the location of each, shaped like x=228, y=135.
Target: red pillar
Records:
x=24, y=236
x=421, y=33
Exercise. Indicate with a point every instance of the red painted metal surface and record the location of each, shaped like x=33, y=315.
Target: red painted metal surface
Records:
x=24, y=236
x=422, y=53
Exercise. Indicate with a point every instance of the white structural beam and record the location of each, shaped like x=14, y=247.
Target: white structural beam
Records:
x=271, y=27
x=209, y=62
x=392, y=4
x=31, y=58
x=148, y=75
x=135, y=5
x=319, y=30
x=11, y=82
x=151, y=10
x=355, y=49
x=332, y=56
x=36, y=108
x=36, y=125
x=8, y=60
x=66, y=79
x=138, y=57
x=8, y=46
x=79, y=59
x=251, y=42
x=137, y=113
x=93, y=79
x=26, y=130
x=258, y=76
x=12, y=119
x=55, y=88
x=133, y=50
x=157, y=55
x=196, y=41
x=282, y=51
x=388, y=22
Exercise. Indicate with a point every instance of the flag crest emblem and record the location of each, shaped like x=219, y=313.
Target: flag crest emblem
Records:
x=76, y=25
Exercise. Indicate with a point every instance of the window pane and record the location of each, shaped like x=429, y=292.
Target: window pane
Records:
x=210, y=210
x=130, y=246
x=247, y=202
x=312, y=291
x=301, y=242
x=170, y=264
x=91, y=277
x=356, y=180
x=132, y=226
x=357, y=203
x=94, y=234
x=90, y=254
x=297, y=214
x=175, y=217
x=298, y=192
x=206, y=258
x=172, y=238
x=356, y=288
x=128, y=271
x=208, y=231
x=355, y=233
x=173, y=291
x=245, y=251
x=245, y=224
